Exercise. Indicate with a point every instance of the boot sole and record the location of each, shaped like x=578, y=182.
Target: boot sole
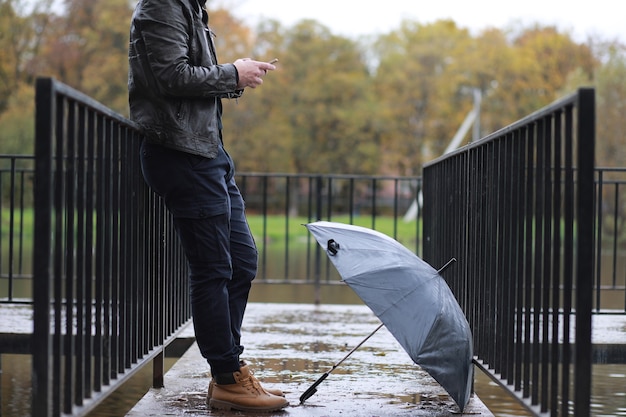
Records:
x=208, y=397
x=227, y=406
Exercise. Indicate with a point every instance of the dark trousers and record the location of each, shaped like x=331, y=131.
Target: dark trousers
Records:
x=210, y=221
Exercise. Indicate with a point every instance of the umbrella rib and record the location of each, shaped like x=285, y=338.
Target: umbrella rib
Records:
x=396, y=302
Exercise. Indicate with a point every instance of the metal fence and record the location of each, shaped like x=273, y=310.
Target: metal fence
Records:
x=278, y=205
x=110, y=288
x=97, y=223
x=610, y=241
x=517, y=210
x=16, y=231
x=284, y=202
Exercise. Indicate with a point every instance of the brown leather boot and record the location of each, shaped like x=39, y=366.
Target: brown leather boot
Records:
x=274, y=391
x=244, y=394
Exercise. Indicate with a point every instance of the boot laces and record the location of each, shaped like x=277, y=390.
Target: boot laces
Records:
x=252, y=384
x=258, y=383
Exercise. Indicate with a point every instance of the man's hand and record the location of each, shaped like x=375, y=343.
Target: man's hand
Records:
x=251, y=72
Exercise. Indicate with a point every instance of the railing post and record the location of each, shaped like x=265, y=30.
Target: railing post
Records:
x=318, y=250
x=158, y=371
x=584, y=263
x=41, y=343
x=11, y=228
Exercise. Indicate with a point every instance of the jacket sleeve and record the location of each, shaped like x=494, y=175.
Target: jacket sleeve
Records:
x=167, y=32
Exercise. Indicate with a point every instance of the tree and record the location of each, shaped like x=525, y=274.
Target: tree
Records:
x=88, y=49
x=21, y=35
x=313, y=113
x=553, y=57
x=329, y=85
x=379, y=105
x=17, y=127
x=418, y=89
x=610, y=84
x=427, y=71
x=8, y=59
x=20, y=38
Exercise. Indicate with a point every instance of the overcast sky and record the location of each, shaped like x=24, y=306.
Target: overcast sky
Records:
x=604, y=18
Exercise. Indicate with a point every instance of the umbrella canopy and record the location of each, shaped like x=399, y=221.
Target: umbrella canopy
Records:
x=409, y=297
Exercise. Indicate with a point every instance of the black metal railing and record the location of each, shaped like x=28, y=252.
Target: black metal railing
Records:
x=16, y=229
x=110, y=287
x=517, y=210
x=283, y=202
x=610, y=241
x=279, y=204
x=98, y=223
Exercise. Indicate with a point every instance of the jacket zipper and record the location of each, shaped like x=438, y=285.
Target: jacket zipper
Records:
x=179, y=110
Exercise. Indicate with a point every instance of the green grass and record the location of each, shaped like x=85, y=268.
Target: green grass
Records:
x=26, y=218
x=279, y=231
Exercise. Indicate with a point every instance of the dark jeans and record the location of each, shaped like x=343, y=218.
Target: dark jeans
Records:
x=209, y=217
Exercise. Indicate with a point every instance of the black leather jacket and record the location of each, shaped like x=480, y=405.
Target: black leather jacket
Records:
x=175, y=84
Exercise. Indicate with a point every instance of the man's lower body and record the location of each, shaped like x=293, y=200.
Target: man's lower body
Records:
x=209, y=216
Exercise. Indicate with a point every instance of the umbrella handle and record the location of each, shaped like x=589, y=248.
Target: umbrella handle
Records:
x=313, y=388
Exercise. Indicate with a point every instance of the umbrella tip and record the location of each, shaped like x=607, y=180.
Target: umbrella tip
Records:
x=447, y=265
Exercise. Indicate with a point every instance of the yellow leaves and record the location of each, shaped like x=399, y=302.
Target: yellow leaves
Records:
x=16, y=123
x=384, y=104
x=233, y=38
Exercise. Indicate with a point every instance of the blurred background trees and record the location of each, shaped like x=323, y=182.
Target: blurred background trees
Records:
x=374, y=105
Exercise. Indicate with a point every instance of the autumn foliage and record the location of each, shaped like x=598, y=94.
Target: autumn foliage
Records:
x=382, y=104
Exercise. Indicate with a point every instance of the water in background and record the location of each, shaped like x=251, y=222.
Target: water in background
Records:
x=609, y=381
x=608, y=398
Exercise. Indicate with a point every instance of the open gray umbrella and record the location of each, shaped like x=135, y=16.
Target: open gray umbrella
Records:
x=409, y=297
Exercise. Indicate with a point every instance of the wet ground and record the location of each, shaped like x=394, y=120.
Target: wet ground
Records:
x=289, y=346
